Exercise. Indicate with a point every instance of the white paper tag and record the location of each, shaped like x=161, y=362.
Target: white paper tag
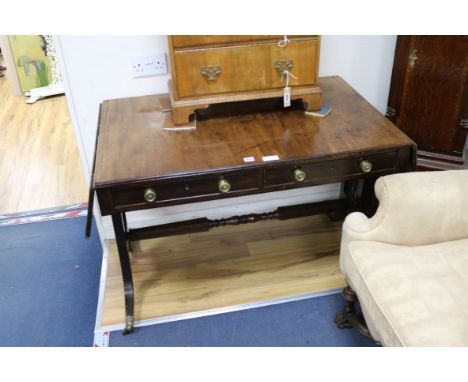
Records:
x=249, y=159
x=270, y=157
x=287, y=97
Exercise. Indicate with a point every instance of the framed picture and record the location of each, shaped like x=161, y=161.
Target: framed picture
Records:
x=32, y=64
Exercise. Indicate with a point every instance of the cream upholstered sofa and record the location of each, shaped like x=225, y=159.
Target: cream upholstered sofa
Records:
x=408, y=264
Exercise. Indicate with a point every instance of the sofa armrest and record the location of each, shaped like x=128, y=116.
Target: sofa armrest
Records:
x=416, y=209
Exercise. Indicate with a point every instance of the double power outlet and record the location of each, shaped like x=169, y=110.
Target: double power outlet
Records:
x=153, y=65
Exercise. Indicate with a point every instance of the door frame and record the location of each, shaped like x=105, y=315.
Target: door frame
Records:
x=10, y=73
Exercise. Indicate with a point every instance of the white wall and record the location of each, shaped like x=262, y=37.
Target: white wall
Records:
x=96, y=68
x=365, y=62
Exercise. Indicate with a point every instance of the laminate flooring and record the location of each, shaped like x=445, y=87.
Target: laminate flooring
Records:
x=39, y=162
x=225, y=267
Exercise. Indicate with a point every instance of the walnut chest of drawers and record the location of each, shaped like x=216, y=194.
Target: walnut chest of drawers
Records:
x=214, y=69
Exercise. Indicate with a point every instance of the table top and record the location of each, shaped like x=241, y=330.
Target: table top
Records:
x=132, y=144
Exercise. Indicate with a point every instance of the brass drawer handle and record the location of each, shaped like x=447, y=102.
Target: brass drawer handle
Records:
x=299, y=175
x=150, y=195
x=366, y=166
x=283, y=65
x=412, y=58
x=211, y=73
x=224, y=185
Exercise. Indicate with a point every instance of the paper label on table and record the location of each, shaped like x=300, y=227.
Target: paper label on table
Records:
x=270, y=157
x=249, y=159
x=287, y=97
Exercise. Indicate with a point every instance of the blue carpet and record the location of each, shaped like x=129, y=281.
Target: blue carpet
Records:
x=300, y=323
x=49, y=283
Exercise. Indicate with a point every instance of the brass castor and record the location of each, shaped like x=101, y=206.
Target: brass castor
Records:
x=129, y=321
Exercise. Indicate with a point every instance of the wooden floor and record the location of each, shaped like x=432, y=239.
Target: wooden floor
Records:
x=225, y=267
x=39, y=162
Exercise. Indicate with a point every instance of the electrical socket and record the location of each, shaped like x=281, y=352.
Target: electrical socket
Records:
x=149, y=65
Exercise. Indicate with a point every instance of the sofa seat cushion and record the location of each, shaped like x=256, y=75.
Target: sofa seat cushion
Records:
x=411, y=296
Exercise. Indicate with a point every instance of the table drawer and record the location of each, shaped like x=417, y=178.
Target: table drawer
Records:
x=234, y=69
x=142, y=193
x=318, y=172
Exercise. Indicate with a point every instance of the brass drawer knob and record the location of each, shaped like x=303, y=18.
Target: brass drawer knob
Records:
x=299, y=175
x=150, y=195
x=366, y=166
x=211, y=73
x=224, y=185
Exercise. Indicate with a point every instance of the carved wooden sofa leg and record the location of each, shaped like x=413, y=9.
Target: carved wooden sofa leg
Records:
x=348, y=318
x=341, y=318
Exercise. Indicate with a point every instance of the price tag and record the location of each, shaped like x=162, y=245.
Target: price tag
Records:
x=270, y=157
x=287, y=97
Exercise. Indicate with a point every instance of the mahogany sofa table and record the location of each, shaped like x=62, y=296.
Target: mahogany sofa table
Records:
x=138, y=165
